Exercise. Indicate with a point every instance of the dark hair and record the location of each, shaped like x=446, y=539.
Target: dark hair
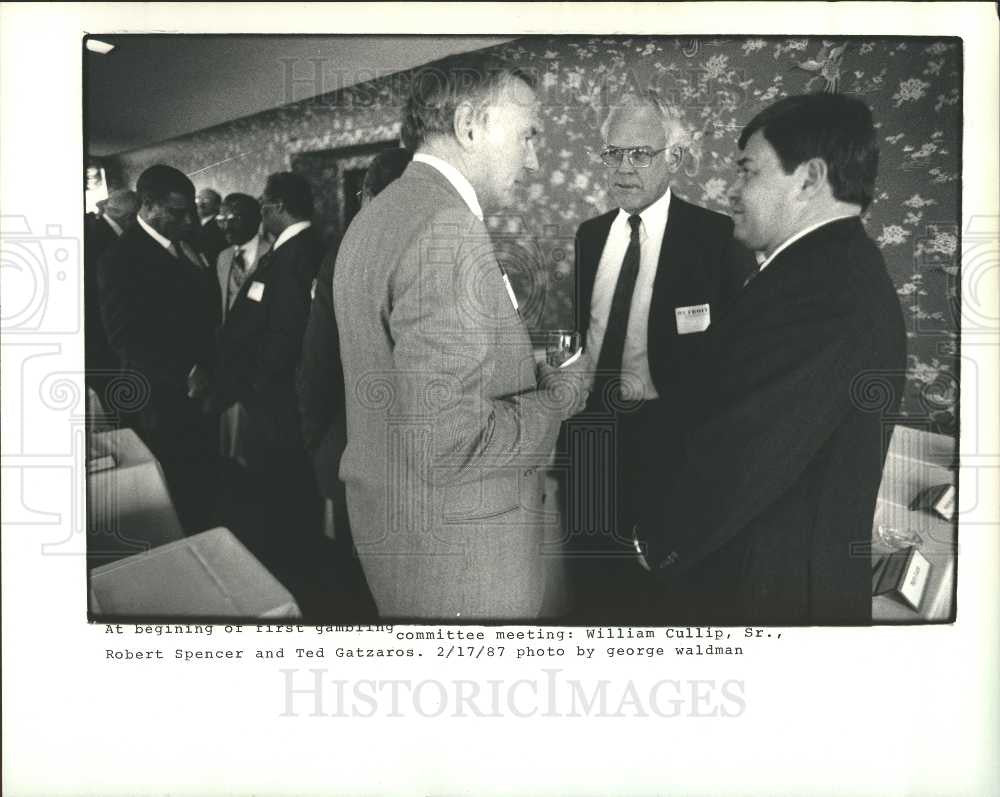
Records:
x=157, y=182
x=438, y=89
x=293, y=191
x=245, y=205
x=833, y=127
x=387, y=166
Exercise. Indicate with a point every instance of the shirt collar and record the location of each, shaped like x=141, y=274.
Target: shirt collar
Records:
x=207, y=219
x=653, y=218
x=456, y=178
x=166, y=243
x=249, y=248
x=290, y=232
x=800, y=234
x=114, y=225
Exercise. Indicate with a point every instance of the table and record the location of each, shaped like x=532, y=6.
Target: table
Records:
x=917, y=459
x=98, y=418
x=208, y=575
x=128, y=505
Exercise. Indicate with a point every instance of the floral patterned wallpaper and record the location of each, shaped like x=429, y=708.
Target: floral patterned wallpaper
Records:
x=913, y=86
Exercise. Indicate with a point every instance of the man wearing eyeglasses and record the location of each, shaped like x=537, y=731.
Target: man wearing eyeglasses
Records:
x=239, y=220
x=652, y=275
x=259, y=347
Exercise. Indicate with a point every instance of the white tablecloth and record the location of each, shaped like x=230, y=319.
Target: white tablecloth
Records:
x=208, y=575
x=917, y=460
x=128, y=506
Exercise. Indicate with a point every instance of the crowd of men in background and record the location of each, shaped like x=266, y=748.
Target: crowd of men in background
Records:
x=713, y=466
x=203, y=303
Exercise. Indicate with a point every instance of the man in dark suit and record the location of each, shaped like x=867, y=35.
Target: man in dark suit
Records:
x=209, y=238
x=160, y=308
x=117, y=215
x=321, y=391
x=258, y=350
x=653, y=274
x=239, y=218
x=791, y=401
x=321, y=378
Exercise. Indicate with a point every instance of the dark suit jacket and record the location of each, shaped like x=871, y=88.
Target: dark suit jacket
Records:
x=261, y=342
x=321, y=383
x=789, y=416
x=98, y=237
x=699, y=263
x=160, y=314
x=210, y=241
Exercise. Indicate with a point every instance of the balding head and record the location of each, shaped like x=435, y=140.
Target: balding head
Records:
x=208, y=201
x=122, y=206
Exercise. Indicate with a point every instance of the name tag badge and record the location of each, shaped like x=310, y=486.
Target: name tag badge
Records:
x=695, y=318
x=256, y=292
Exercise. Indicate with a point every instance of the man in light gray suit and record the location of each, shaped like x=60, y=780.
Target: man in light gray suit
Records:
x=448, y=421
x=239, y=220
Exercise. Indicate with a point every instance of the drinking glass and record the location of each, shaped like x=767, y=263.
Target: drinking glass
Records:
x=561, y=345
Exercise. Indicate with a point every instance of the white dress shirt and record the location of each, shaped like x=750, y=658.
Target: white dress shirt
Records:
x=637, y=383
x=800, y=234
x=290, y=232
x=176, y=250
x=207, y=219
x=249, y=250
x=456, y=178
x=166, y=243
x=114, y=225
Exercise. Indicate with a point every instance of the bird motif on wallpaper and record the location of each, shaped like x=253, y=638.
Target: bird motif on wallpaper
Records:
x=827, y=66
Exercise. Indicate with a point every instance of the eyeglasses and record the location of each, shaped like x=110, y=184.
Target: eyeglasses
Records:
x=639, y=157
x=264, y=202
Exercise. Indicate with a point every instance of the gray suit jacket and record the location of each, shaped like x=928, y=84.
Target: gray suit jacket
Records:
x=446, y=432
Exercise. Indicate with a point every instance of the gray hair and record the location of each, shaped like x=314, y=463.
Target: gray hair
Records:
x=673, y=128
x=438, y=89
x=121, y=203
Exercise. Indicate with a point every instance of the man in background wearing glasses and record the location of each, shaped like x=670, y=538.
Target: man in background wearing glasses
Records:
x=651, y=275
x=260, y=345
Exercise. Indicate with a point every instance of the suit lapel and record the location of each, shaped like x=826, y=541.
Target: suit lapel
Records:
x=259, y=275
x=674, y=252
x=263, y=248
x=154, y=253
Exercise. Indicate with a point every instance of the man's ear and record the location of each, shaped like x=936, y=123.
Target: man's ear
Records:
x=814, y=174
x=465, y=124
x=675, y=157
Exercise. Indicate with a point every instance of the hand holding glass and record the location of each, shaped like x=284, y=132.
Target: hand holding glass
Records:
x=562, y=347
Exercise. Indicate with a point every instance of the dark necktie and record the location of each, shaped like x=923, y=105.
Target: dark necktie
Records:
x=609, y=363
x=182, y=255
x=237, y=275
x=240, y=265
